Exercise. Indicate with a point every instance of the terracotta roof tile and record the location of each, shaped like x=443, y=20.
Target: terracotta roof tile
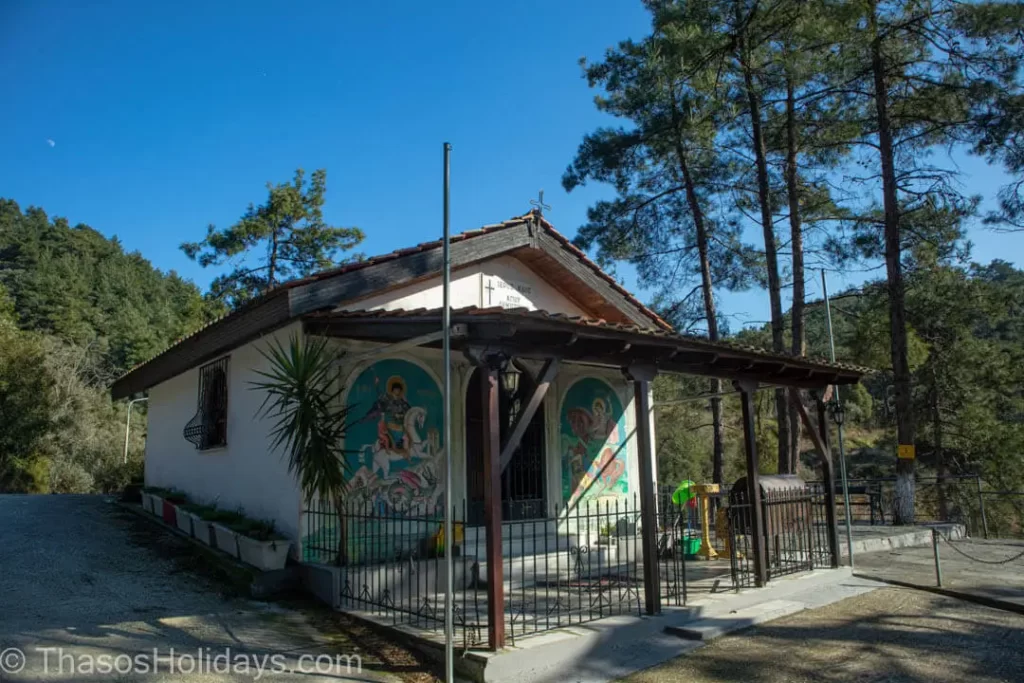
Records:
x=532, y=216
x=474, y=311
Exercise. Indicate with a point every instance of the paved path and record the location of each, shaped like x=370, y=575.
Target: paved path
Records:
x=80, y=574
x=979, y=576
x=894, y=635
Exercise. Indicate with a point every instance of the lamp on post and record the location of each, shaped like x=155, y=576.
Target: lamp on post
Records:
x=128, y=424
x=509, y=378
x=838, y=413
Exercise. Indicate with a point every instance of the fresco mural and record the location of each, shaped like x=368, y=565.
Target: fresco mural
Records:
x=593, y=442
x=394, y=438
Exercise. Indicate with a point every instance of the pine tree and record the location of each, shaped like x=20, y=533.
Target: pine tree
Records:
x=286, y=236
x=666, y=172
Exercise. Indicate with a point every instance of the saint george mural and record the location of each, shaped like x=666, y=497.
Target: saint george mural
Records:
x=394, y=438
x=593, y=442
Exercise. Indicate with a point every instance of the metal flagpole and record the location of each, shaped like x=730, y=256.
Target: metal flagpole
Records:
x=449, y=597
x=839, y=423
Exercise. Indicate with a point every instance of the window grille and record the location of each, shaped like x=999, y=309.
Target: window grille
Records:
x=209, y=427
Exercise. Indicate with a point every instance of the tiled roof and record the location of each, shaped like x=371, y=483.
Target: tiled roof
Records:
x=468, y=313
x=533, y=215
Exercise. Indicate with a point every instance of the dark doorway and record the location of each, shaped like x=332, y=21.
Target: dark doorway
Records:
x=522, y=482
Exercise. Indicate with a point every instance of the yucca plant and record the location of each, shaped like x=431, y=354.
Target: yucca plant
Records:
x=302, y=399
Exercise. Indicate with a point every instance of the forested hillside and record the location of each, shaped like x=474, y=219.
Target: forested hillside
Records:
x=75, y=312
x=966, y=329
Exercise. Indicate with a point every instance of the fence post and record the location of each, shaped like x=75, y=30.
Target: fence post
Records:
x=935, y=550
x=981, y=506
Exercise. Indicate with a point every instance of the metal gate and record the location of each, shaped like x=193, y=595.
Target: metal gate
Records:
x=523, y=492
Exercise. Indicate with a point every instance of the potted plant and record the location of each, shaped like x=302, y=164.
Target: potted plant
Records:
x=260, y=545
x=303, y=399
x=172, y=499
x=183, y=517
x=222, y=522
x=202, y=529
x=156, y=501
x=147, y=500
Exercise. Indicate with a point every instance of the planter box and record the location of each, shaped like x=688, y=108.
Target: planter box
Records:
x=169, y=512
x=183, y=518
x=200, y=529
x=156, y=504
x=265, y=555
x=227, y=540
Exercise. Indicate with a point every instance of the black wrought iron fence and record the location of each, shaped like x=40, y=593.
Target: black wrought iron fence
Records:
x=954, y=499
x=582, y=564
x=795, y=537
x=392, y=566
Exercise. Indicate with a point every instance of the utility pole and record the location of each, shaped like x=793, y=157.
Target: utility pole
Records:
x=128, y=424
x=837, y=417
x=446, y=322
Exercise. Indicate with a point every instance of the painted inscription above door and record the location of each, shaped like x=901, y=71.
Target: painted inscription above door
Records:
x=593, y=442
x=394, y=439
x=506, y=292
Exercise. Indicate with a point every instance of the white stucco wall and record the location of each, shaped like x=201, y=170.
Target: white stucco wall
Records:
x=244, y=473
x=503, y=281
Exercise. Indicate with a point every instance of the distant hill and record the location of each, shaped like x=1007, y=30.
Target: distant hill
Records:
x=75, y=284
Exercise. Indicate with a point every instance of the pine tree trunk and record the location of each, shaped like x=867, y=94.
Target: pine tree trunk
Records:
x=272, y=261
x=796, y=312
x=770, y=250
x=903, y=512
x=707, y=289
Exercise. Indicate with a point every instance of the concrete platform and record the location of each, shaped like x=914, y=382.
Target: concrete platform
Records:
x=611, y=648
x=871, y=539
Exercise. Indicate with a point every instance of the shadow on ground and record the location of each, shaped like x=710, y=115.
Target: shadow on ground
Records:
x=890, y=634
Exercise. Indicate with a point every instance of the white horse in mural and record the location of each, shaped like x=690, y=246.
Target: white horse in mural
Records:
x=415, y=419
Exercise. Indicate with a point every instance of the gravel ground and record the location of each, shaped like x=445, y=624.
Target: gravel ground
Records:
x=891, y=634
x=82, y=574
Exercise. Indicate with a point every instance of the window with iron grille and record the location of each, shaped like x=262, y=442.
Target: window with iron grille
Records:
x=209, y=427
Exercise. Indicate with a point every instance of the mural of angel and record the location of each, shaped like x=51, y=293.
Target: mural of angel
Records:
x=593, y=447
x=595, y=425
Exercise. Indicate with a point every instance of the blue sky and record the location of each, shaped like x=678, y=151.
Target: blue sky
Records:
x=165, y=117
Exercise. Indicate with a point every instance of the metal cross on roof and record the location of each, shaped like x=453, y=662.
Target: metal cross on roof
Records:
x=538, y=203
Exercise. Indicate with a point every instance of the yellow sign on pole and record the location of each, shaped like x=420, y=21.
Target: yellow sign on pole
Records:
x=905, y=451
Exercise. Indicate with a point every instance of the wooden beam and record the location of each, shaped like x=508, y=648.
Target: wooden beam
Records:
x=830, y=482
x=747, y=391
x=819, y=436
x=458, y=332
x=360, y=283
x=492, y=508
x=544, y=379
x=648, y=500
x=586, y=274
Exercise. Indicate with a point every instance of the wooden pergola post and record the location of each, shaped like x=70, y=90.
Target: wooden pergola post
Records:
x=641, y=377
x=747, y=390
x=492, y=507
x=820, y=438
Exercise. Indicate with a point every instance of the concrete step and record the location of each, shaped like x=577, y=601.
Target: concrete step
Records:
x=526, y=545
x=715, y=627
x=529, y=570
x=539, y=527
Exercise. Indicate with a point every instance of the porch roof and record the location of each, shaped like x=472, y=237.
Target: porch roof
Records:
x=524, y=333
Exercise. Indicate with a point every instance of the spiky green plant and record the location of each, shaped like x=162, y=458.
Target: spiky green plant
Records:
x=303, y=400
